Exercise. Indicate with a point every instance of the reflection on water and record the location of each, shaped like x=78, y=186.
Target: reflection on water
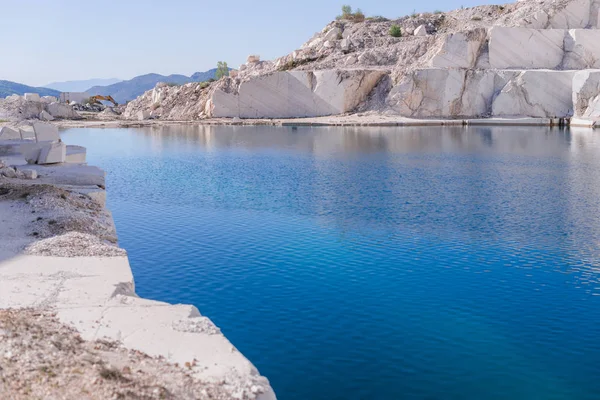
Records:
x=350, y=263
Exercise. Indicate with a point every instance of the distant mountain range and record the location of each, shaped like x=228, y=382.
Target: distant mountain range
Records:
x=81, y=86
x=128, y=90
x=121, y=91
x=8, y=88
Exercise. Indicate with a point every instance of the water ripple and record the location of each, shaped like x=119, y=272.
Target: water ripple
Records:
x=432, y=263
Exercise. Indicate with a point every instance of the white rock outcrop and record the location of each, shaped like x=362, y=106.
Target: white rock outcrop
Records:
x=536, y=94
x=453, y=93
x=293, y=94
x=460, y=50
x=420, y=31
x=526, y=48
x=586, y=94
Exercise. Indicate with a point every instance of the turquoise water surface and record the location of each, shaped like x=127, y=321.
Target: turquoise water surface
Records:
x=367, y=263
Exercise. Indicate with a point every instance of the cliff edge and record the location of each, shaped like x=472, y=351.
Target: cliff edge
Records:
x=525, y=59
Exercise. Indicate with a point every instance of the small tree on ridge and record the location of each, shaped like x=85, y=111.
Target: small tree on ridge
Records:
x=222, y=70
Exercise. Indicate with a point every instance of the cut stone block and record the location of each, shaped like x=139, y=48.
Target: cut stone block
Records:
x=53, y=153
x=576, y=14
x=582, y=49
x=45, y=132
x=31, y=97
x=45, y=116
x=49, y=99
x=586, y=94
x=460, y=50
x=27, y=133
x=294, y=94
x=540, y=93
x=524, y=48
x=60, y=110
x=7, y=133
x=143, y=115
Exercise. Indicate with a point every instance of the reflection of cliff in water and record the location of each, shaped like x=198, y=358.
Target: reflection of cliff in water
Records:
x=481, y=173
x=528, y=141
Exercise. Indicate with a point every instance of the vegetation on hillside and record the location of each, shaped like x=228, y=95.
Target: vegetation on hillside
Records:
x=222, y=70
x=395, y=31
x=348, y=15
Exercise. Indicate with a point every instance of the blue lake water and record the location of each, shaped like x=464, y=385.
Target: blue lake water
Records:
x=373, y=263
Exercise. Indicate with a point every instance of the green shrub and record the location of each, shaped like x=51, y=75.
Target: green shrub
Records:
x=222, y=70
x=395, y=31
x=347, y=14
x=346, y=11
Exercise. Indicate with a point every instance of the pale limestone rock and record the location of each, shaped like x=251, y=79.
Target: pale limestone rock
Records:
x=32, y=97
x=539, y=93
x=586, y=94
x=428, y=92
x=345, y=44
x=293, y=94
x=8, y=172
x=61, y=110
x=45, y=132
x=332, y=34
x=447, y=93
x=575, y=15
x=253, y=59
x=582, y=48
x=7, y=133
x=459, y=50
x=27, y=174
x=49, y=99
x=539, y=20
x=143, y=115
x=328, y=44
x=45, y=116
x=452, y=93
x=526, y=48
x=420, y=31
x=53, y=153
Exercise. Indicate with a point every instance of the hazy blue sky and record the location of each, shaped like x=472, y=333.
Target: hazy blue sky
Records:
x=56, y=40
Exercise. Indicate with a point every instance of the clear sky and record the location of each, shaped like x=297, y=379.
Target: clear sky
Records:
x=57, y=40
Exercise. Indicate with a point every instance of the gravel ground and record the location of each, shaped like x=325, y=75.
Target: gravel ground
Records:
x=40, y=358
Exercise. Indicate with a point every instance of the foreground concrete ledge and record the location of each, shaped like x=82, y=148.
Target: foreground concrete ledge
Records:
x=96, y=296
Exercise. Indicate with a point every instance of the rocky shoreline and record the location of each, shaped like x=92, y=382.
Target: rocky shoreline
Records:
x=61, y=269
